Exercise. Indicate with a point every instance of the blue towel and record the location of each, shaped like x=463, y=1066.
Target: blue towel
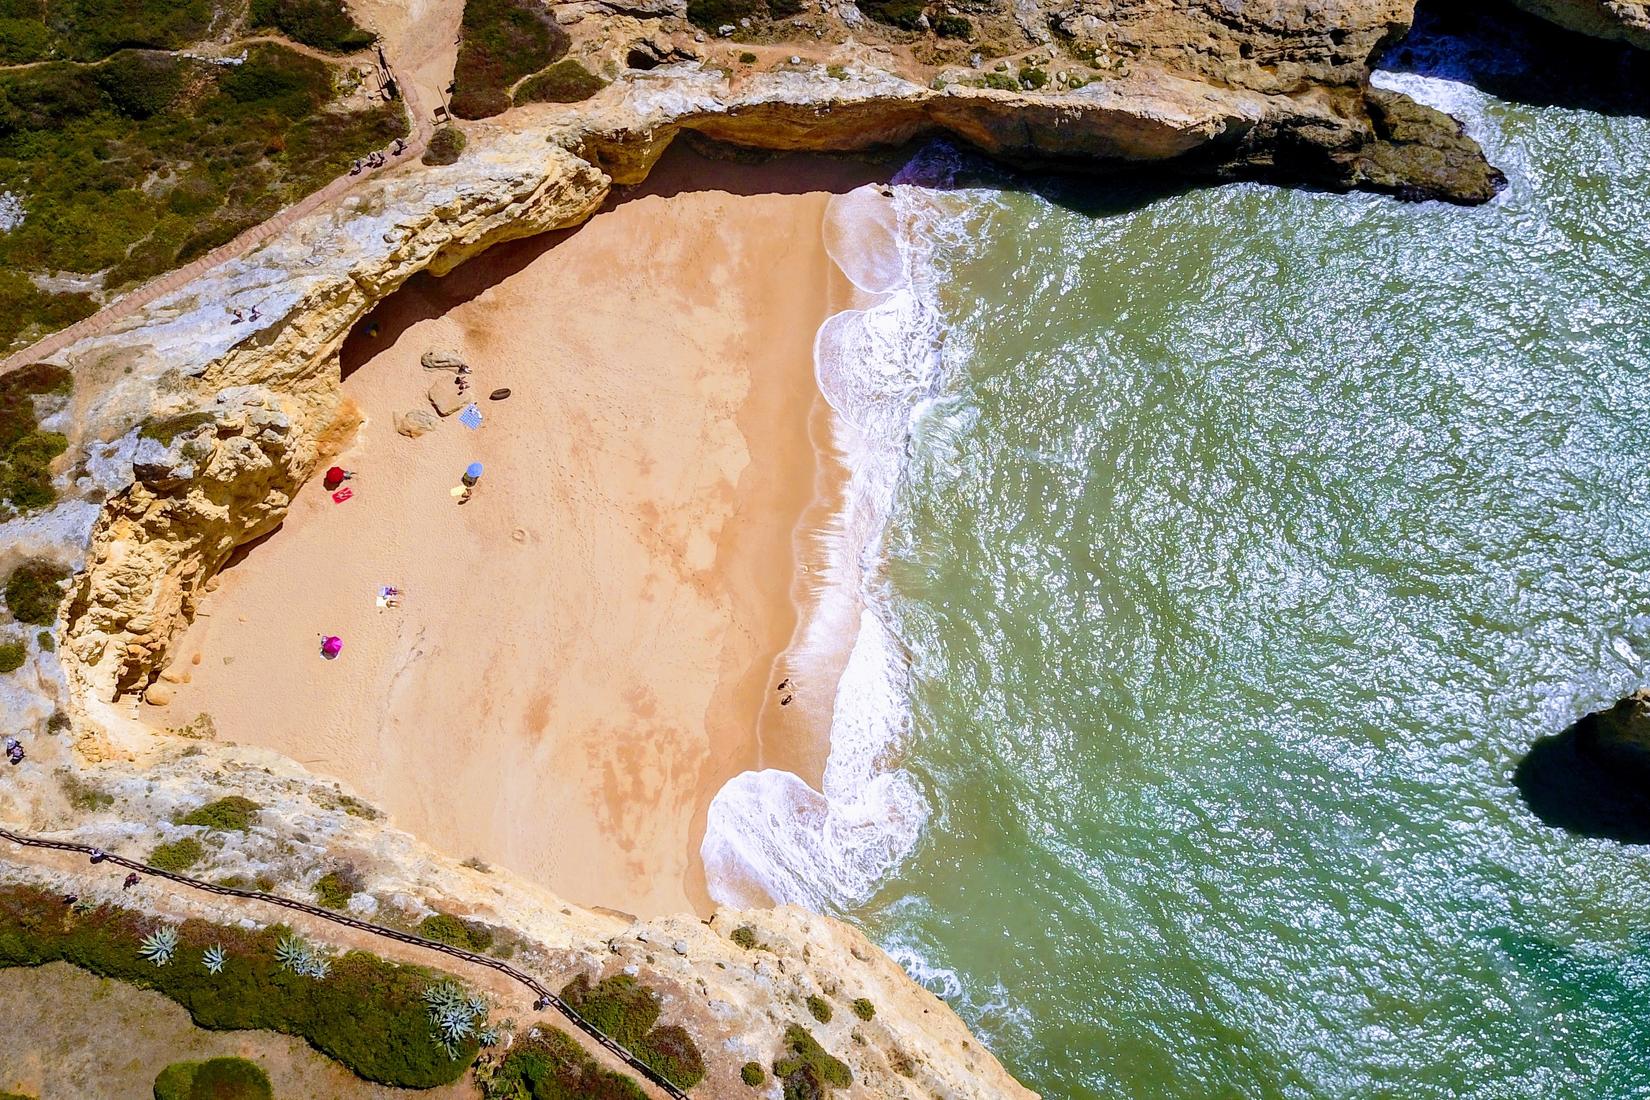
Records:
x=470, y=417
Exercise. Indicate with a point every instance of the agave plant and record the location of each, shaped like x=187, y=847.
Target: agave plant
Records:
x=455, y=1016
x=159, y=945
x=213, y=958
x=317, y=966
x=293, y=954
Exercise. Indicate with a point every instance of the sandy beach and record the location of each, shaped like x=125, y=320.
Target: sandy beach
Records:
x=588, y=649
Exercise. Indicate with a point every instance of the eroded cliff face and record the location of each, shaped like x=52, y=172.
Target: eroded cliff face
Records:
x=1619, y=20
x=189, y=435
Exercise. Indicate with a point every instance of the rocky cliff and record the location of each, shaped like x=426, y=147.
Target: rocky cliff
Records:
x=1620, y=20
x=188, y=435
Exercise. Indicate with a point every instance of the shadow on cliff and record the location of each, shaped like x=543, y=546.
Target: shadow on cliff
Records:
x=1588, y=780
x=1520, y=58
x=694, y=163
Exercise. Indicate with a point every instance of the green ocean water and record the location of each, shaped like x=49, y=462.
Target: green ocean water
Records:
x=1245, y=543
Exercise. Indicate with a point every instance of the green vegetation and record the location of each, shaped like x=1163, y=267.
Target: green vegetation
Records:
x=1001, y=81
x=231, y=813
x=904, y=14
x=747, y=58
x=367, y=1014
x=34, y=590
x=744, y=936
x=131, y=166
x=59, y=722
x=167, y=430
x=500, y=42
x=26, y=452
x=864, y=1009
x=712, y=14
x=551, y=1066
x=81, y=794
x=13, y=1096
x=1033, y=77
x=446, y=145
x=752, y=1074
x=177, y=856
x=805, y=1067
x=13, y=652
x=45, y=641
x=323, y=24
x=465, y=935
x=954, y=26
x=566, y=81
x=214, y=1079
x=819, y=1008
x=87, y=30
x=626, y=1011
x=336, y=887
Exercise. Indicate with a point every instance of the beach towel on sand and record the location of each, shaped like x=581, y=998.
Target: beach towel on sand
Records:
x=471, y=416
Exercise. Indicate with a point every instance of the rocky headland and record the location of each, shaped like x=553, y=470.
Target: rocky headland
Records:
x=187, y=436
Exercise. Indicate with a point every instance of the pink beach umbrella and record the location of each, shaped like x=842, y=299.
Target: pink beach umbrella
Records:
x=331, y=646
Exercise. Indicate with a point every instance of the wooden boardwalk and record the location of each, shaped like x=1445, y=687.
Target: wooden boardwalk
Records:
x=545, y=998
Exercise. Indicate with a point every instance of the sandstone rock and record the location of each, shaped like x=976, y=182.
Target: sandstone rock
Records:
x=436, y=359
x=1620, y=20
x=158, y=694
x=416, y=422
x=445, y=396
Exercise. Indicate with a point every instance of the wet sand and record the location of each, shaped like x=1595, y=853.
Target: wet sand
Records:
x=587, y=649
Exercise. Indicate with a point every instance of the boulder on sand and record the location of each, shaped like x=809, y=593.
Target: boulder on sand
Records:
x=446, y=397
x=415, y=423
x=436, y=359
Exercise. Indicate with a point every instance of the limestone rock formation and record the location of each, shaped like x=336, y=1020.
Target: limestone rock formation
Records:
x=1619, y=20
x=416, y=423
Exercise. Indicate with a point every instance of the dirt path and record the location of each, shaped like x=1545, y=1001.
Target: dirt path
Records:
x=159, y=894
x=133, y=301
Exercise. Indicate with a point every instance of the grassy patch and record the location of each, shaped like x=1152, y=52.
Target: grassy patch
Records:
x=34, y=590
x=230, y=814
x=13, y=652
x=467, y=935
x=131, y=166
x=214, y=1079
x=323, y=24
x=336, y=887
x=566, y=81
x=953, y=26
x=712, y=14
x=177, y=856
x=501, y=41
x=744, y=936
x=904, y=14
x=446, y=146
x=864, y=1009
x=26, y=452
x=1033, y=77
x=806, y=1068
x=626, y=1011
x=46, y=642
x=367, y=1014
x=819, y=1008
x=552, y=1066
x=752, y=1074
x=165, y=431
x=82, y=795
x=86, y=30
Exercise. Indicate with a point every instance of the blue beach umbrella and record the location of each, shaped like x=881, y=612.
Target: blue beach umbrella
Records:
x=472, y=472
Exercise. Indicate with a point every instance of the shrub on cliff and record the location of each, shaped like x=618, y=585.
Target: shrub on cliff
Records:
x=367, y=1014
x=463, y=934
x=806, y=1066
x=324, y=24
x=751, y=1073
x=26, y=452
x=714, y=14
x=34, y=590
x=13, y=652
x=177, y=856
x=446, y=145
x=230, y=814
x=214, y=1079
x=501, y=41
x=864, y=1009
x=336, y=887
x=904, y=14
x=819, y=1008
x=566, y=81
x=552, y=1066
x=625, y=1010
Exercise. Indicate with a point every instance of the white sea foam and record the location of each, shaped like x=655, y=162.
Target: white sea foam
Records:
x=768, y=832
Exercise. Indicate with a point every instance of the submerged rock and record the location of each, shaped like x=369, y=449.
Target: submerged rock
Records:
x=1593, y=779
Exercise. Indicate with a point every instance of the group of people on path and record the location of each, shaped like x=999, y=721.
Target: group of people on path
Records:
x=376, y=159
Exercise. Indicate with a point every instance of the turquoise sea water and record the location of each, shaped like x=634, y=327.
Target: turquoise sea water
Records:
x=1248, y=540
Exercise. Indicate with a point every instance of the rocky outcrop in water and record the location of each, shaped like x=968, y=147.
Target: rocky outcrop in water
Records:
x=1618, y=20
x=1593, y=779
